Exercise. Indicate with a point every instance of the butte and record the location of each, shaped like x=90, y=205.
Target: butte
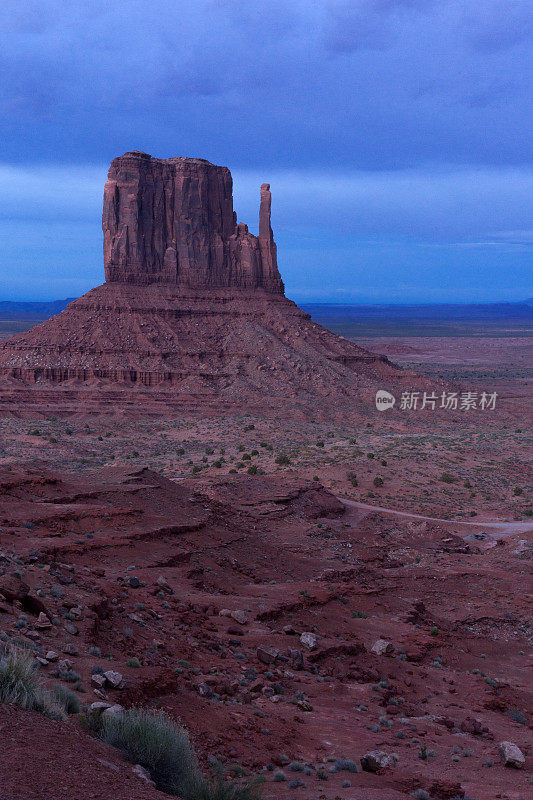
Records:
x=192, y=314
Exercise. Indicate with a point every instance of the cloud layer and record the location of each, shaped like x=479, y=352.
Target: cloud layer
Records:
x=355, y=83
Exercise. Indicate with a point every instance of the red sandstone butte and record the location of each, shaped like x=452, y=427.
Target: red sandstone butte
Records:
x=193, y=307
x=172, y=221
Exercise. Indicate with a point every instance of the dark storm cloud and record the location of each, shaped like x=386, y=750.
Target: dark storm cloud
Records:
x=266, y=83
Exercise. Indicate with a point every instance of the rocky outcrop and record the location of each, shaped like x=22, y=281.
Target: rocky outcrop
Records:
x=172, y=221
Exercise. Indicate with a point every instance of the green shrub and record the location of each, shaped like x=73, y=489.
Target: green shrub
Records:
x=20, y=684
x=133, y=662
x=162, y=746
x=67, y=699
x=155, y=741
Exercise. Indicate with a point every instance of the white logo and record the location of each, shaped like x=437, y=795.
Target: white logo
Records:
x=384, y=400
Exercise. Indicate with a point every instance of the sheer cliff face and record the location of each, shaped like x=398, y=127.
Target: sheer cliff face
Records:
x=172, y=221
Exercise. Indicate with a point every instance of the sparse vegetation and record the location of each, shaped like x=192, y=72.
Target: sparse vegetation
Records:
x=447, y=478
x=20, y=684
x=162, y=746
x=67, y=699
x=152, y=739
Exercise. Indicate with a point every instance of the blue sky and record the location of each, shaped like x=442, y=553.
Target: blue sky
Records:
x=396, y=135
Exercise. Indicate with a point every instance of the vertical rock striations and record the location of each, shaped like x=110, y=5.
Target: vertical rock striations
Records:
x=172, y=221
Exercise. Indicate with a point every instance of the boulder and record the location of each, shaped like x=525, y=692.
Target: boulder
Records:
x=511, y=755
x=97, y=681
x=382, y=647
x=114, y=679
x=309, y=640
x=51, y=656
x=267, y=655
x=239, y=616
x=377, y=761
x=12, y=587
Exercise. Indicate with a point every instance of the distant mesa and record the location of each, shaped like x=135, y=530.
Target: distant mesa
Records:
x=192, y=311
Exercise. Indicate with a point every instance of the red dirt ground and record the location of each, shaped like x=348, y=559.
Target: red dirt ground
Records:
x=294, y=559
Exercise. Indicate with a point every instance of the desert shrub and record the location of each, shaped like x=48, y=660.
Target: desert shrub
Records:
x=133, y=662
x=517, y=491
x=162, y=746
x=352, y=477
x=219, y=789
x=67, y=699
x=320, y=444
x=152, y=739
x=517, y=716
x=20, y=684
x=447, y=478
x=283, y=459
x=68, y=675
x=378, y=481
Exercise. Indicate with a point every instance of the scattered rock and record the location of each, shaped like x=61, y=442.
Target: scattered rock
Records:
x=99, y=707
x=71, y=628
x=114, y=679
x=309, y=640
x=511, y=755
x=382, y=647
x=164, y=586
x=377, y=761
x=98, y=681
x=51, y=656
x=143, y=774
x=267, y=655
x=204, y=690
x=12, y=587
x=112, y=711
x=239, y=616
